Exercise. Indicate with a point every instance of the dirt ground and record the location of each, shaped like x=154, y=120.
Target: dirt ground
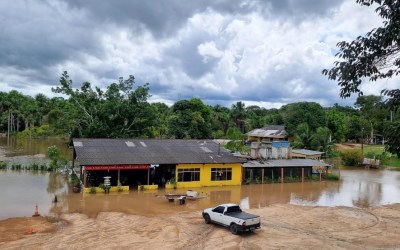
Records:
x=282, y=227
x=340, y=146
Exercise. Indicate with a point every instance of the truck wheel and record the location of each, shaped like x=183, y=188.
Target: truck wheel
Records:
x=234, y=229
x=207, y=219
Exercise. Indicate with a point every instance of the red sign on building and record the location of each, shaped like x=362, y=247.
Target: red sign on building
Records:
x=117, y=167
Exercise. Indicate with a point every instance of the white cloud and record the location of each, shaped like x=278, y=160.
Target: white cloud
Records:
x=221, y=53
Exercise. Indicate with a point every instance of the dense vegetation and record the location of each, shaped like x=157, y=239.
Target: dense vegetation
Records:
x=123, y=110
x=376, y=55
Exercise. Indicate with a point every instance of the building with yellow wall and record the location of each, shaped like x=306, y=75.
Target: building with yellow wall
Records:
x=155, y=163
x=208, y=175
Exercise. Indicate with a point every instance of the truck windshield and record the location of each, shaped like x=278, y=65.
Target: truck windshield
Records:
x=233, y=209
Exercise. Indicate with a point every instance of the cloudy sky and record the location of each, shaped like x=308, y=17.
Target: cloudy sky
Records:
x=266, y=53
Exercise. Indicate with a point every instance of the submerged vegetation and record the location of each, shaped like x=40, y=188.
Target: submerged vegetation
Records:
x=33, y=166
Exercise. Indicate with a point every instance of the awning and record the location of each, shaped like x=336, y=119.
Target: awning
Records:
x=118, y=167
x=289, y=163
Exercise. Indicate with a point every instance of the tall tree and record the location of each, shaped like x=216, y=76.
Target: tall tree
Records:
x=239, y=115
x=336, y=123
x=190, y=119
x=374, y=112
x=303, y=136
x=373, y=56
x=118, y=112
x=303, y=112
x=221, y=118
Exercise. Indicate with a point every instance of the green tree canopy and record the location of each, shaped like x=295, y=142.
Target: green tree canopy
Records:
x=190, y=119
x=118, y=112
x=297, y=113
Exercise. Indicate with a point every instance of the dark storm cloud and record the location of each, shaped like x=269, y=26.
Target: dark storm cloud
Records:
x=36, y=35
x=302, y=8
x=164, y=18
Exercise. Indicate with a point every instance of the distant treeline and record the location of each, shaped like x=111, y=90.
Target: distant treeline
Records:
x=123, y=111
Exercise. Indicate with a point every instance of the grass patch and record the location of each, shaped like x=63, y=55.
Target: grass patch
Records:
x=393, y=162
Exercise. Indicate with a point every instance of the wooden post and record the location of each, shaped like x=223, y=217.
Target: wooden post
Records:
x=320, y=176
x=148, y=176
x=118, y=176
x=302, y=174
x=281, y=175
x=8, y=127
x=262, y=176
x=84, y=178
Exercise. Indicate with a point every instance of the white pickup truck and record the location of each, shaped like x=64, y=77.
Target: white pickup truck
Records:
x=230, y=215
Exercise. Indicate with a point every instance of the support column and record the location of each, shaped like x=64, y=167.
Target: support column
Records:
x=281, y=175
x=148, y=176
x=262, y=176
x=302, y=174
x=84, y=178
x=118, y=181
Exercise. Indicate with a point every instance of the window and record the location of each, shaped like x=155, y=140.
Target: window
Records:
x=219, y=209
x=188, y=174
x=221, y=174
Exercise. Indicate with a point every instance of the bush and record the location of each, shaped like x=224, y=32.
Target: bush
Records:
x=75, y=180
x=351, y=157
x=331, y=177
x=42, y=131
x=105, y=187
x=383, y=157
x=119, y=187
x=56, y=161
x=16, y=166
x=3, y=165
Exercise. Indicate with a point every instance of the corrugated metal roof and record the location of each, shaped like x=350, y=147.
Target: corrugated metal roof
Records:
x=119, y=152
x=285, y=163
x=306, y=152
x=271, y=131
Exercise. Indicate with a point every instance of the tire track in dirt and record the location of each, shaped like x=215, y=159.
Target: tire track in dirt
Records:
x=324, y=235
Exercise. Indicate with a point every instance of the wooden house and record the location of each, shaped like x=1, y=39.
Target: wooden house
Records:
x=268, y=134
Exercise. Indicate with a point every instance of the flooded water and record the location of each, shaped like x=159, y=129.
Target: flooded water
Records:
x=22, y=190
x=22, y=150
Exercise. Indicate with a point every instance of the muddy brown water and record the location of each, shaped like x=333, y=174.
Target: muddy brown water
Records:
x=21, y=191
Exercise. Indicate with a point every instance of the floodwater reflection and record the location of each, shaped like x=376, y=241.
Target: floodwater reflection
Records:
x=21, y=191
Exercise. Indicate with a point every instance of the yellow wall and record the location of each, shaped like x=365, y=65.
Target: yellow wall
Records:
x=205, y=175
x=112, y=189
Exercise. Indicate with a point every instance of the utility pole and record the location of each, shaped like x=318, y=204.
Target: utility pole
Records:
x=8, y=127
x=362, y=141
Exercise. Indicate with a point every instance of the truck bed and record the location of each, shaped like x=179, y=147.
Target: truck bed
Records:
x=242, y=215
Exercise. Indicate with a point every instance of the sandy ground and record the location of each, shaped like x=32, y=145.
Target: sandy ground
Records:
x=282, y=227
